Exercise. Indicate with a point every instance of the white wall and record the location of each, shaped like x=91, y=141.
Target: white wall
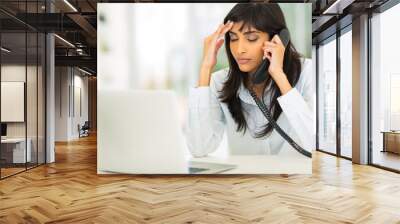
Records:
x=69, y=82
x=80, y=83
x=62, y=81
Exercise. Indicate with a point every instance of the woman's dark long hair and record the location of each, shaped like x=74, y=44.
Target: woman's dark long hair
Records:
x=269, y=18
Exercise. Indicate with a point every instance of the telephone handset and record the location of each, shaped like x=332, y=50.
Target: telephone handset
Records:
x=261, y=74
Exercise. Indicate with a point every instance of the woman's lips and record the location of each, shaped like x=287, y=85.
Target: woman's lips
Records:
x=243, y=61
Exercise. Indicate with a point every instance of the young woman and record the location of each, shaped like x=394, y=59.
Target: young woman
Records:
x=222, y=101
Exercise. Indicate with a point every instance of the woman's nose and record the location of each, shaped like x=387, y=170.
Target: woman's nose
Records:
x=242, y=48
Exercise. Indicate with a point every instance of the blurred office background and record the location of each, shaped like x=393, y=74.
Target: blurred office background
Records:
x=160, y=45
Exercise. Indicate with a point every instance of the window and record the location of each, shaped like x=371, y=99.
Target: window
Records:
x=327, y=96
x=346, y=93
x=385, y=89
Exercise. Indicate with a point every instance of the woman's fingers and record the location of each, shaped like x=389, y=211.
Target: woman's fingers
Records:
x=267, y=53
x=219, y=36
x=275, y=42
x=214, y=36
x=267, y=56
x=269, y=43
x=276, y=39
x=219, y=29
x=269, y=49
x=219, y=43
x=227, y=27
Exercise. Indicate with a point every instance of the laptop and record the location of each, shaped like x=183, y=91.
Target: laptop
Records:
x=139, y=132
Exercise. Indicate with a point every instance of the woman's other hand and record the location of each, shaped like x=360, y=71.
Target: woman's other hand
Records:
x=274, y=51
x=212, y=44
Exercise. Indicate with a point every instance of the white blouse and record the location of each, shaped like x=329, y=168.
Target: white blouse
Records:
x=208, y=118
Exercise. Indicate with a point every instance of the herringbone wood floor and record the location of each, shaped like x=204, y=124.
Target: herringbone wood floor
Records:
x=70, y=191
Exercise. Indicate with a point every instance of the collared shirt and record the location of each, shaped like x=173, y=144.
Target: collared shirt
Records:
x=209, y=118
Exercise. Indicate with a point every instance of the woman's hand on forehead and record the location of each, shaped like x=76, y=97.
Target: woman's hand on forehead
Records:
x=212, y=44
x=223, y=29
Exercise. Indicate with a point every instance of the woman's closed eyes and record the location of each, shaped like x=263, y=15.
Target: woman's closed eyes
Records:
x=250, y=35
x=251, y=39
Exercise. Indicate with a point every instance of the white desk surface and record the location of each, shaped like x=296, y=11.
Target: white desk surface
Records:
x=257, y=164
x=262, y=164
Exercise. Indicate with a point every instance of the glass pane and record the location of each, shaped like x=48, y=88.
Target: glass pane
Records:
x=13, y=87
x=385, y=86
x=31, y=87
x=41, y=98
x=31, y=101
x=22, y=67
x=327, y=96
x=346, y=94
